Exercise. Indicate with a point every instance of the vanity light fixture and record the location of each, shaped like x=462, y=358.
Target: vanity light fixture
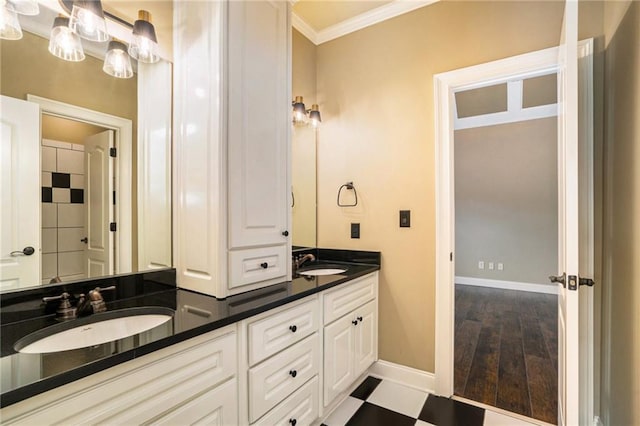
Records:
x=301, y=113
x=87, y=20
x=314, y=115
x=25, y=7
x=64, y=43
x=299, y=110
x=144, y=44
x=9, y=25
x=117, y=62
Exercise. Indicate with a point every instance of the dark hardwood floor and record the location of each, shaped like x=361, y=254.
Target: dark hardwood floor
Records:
x=506, y=350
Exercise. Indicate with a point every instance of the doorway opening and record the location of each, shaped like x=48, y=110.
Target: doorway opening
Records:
x=506, y=239
x=92, y=168
x=70, y=205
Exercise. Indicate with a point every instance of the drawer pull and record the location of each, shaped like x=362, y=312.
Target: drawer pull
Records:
x=293, y=328
x=264, y=265
x=293, y=422
x=197, y=311
x=360, y=319
x=293, y=373
x=354, y=322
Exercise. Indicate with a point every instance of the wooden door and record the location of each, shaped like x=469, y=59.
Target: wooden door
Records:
x=338, y=357
x=365, y=338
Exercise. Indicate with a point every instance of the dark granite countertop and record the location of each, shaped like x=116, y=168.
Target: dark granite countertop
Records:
x=25, y=375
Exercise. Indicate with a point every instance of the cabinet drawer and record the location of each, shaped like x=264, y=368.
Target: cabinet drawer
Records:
x=273, y=380
x=254, y=265
x=348, y=297
x=218, y=406
x=301, y=407
x=278, y=331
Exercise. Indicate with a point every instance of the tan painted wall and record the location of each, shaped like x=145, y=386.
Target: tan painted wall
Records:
x=621, y=326
x=303, y=143
x=375, y=88
x=506, y=198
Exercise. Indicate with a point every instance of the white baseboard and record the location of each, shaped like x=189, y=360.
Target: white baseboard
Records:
x=508, y=285
x=412, y=377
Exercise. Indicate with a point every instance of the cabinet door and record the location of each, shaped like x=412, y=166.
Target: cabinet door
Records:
x=259, y=113
x=218, y=406
x=365, y=338
x=338, y=357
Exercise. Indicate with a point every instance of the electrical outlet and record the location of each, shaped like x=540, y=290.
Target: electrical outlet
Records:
x=355, y=230
x=491, y=266
x=500, y=266
x=481, y=264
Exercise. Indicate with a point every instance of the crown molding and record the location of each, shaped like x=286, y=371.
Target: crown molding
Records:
x=372, y=17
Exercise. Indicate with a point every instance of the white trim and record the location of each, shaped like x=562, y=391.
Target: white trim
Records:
x=304, y=28
x=505, y=117
x=444, y=86
x=123, y=140
x=371, y=17
x=408, y=376
x=508, y=285
x=154, y=166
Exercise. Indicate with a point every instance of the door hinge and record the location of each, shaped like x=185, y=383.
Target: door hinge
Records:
x=112, y=227
x=586, y=281
x=572, y=282
x=114, y=198
x=112, y=152
x=450, y=256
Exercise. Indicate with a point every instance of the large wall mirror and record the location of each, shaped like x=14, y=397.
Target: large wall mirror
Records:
x=86, y=209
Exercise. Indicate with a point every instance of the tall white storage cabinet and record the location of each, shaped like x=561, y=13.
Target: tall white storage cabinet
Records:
x=232, y=110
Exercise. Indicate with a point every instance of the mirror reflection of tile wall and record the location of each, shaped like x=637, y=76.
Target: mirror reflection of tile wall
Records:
x=63, y=210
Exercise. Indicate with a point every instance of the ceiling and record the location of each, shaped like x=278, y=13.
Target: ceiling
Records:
x=324, y=20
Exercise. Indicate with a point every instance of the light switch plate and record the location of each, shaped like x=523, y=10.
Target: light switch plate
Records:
x=355, y=230
x=405, y=218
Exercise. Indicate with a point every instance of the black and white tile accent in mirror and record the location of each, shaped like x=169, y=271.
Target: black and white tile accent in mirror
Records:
x=63, y=226
x=378, y=402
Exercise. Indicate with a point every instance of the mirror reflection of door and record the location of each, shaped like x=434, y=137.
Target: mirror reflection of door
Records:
x=76, y=185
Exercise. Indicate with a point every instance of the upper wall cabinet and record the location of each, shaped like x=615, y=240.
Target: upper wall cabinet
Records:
x=232, y=141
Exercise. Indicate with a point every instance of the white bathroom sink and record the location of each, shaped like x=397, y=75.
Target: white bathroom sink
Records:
x=322, y=271
x=93, y=330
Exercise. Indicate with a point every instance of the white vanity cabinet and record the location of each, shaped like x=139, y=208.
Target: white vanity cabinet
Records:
x=183, y=383
x=284, y=357
x=350, y=333
x=232, y=112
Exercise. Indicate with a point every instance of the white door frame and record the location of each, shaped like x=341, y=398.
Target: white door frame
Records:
x=445, y=84
x=123, y=141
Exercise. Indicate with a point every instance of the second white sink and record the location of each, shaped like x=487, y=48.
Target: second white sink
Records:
x=322, y=271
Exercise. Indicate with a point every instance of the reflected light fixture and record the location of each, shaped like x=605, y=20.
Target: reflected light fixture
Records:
x=87, y=20
x=25, y=7
x=117, y=62
x=9, y=24
x=314, y=115
x=299, y=110
x=64, y=43
x=144, y=44
x=301, y=113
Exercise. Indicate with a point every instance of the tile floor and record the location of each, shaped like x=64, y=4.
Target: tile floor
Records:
x=385, y=403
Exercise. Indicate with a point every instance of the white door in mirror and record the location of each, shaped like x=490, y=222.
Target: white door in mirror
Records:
x=19, y=175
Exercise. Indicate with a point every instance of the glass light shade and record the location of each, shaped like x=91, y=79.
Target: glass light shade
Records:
x=9, y=25
x=25, y=7
x=144, y=44
x=314, y=115
x=64, y=43
x=87, y=20
x=299, y=110
x=117, y=62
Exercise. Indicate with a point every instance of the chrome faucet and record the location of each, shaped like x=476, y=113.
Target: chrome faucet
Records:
x=299, y=260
